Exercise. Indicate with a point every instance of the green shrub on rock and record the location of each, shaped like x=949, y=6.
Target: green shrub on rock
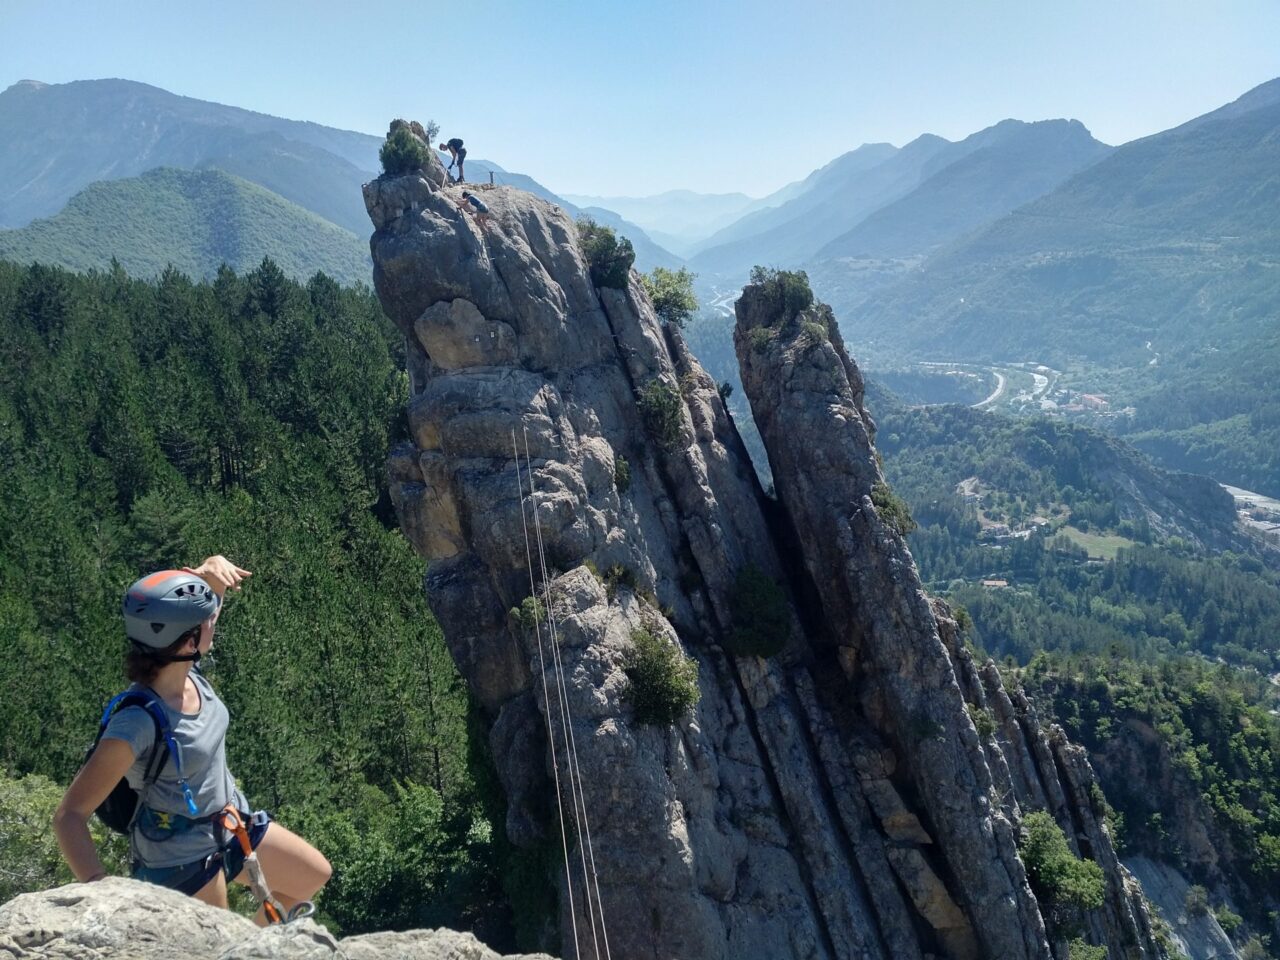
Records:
x=528, y=615
x=621, y=474
x=983, y=721
x=608, y=256
x=1079, y=949
x=761, y=621
x=788, y=290
x=662, y=681
x=671, y=292
x=1227, y=919
x=1057, y=875
x=892, y=509
x=1196, y=901
x=403, y=153
x=660, y=407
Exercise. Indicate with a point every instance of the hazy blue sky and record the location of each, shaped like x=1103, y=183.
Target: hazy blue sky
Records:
x=639, y=96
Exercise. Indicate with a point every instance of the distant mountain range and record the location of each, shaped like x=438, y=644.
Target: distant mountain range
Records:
x=682, y=220
x=1170, y=244
x=56, y=140
x=192, y=220
x=880, y=201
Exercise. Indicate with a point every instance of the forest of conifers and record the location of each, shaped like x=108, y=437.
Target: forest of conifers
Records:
x=146, y=424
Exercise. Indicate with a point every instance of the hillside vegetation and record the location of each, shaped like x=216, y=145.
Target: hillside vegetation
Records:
x=1071, y=556
x=193, y=221
x=146, y=424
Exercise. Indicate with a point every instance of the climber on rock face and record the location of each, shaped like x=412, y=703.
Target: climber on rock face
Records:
x=189, y=825
x=478, y=207
x=458, y=153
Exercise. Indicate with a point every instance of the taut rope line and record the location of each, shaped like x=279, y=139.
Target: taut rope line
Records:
x=575, y=771
x=555, y=767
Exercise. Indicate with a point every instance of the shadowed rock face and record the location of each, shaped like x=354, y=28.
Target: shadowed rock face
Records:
x=833, y=801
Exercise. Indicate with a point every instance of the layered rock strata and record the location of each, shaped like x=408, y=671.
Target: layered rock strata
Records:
x=832, y=801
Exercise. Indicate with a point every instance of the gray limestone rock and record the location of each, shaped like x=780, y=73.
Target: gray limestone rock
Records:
x=129, y=920
x=833, y=801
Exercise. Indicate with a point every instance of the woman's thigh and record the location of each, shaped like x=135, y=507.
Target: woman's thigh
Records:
x=291, y=865
x=214, y=892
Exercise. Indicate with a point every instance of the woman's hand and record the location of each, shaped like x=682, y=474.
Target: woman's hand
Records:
x=220, y=573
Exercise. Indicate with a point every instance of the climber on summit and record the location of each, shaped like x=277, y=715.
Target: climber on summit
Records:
x=458, y=154
x=159, y=770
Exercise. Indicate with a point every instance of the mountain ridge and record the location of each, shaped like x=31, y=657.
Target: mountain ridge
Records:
x=192, y=220
x=1059, y=275
x=58, y=139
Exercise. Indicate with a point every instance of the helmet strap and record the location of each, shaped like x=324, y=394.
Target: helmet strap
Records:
x=164, y=661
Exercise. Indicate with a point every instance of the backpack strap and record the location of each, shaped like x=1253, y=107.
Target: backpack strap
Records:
x=152, y=704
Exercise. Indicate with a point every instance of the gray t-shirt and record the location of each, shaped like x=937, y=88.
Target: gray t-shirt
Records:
x=201, y=740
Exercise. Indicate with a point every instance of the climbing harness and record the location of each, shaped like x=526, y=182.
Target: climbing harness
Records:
x=231, y=821
x=590, y=877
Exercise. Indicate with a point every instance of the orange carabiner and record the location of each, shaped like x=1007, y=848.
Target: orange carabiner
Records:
x=232, y=822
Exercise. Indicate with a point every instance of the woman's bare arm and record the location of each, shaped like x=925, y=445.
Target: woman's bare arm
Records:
x=95, y=781
x=220, y=573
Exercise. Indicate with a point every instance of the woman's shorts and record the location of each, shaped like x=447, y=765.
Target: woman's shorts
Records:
x=190, y=878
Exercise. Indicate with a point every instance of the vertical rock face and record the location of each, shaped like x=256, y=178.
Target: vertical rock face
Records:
x=832, y=801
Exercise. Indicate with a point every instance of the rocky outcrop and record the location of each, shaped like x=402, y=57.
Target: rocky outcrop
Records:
x=125, y=918
x=1142, y=776
x=832, y=801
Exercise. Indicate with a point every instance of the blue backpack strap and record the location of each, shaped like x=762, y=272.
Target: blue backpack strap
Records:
x=148, y=701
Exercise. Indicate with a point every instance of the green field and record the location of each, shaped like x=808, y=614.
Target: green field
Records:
x=1101, y=546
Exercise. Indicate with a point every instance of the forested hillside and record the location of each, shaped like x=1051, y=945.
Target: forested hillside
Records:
x=149, y=424
x=1154, y=653
x=193, y=221
x=1217, y=413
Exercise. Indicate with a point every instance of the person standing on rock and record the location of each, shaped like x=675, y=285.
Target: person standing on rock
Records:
x=458, y=153
x=176, y=834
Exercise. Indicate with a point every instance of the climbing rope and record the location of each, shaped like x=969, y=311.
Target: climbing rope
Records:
x=575, y=771
x=586, y=850
x=546, y=698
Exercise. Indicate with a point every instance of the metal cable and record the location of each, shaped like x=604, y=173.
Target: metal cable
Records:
x=575, y=771
x=546, y=696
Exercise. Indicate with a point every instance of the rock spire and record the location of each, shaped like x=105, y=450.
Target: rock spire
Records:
x=833, y=800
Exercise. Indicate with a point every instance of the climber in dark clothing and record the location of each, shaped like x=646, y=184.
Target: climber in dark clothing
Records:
x=458, y=153
x=479, y=209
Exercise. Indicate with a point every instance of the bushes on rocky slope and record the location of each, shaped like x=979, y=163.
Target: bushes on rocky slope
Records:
x=660, y=405
x=892, y=509
x=403, y=153
x=1057, y=875
x=663, y=682
x=671, y=292
x=788, y=290
x=608, y=256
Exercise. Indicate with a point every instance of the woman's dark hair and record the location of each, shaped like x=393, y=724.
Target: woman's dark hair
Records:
x=142, y=666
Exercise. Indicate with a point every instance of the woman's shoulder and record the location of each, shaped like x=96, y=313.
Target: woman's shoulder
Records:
x=207, y=693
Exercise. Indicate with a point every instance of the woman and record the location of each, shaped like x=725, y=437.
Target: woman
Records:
x=175, y=837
